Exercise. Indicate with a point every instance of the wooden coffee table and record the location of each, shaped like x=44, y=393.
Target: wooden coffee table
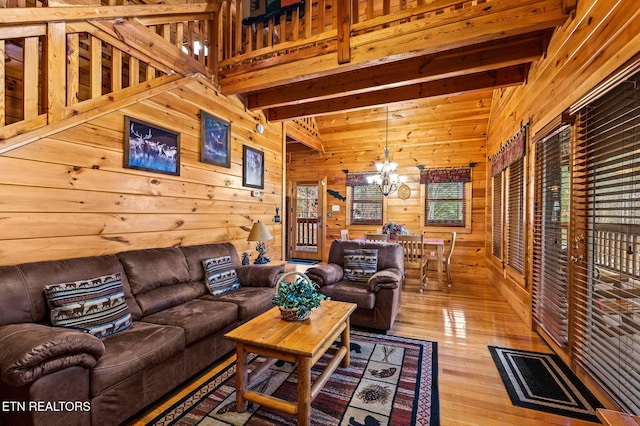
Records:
x=302, y=342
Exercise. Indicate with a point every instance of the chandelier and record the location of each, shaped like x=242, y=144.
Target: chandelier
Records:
x=387, y=179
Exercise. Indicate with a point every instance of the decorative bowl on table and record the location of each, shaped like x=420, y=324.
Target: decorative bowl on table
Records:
x=296, y=296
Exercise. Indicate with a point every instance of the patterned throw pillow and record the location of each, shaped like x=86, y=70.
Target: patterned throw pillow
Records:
x=360, y=264
x=95, y=306
x=220, y=274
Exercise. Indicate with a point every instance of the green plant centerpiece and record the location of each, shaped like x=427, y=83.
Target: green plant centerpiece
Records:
x=297, y=298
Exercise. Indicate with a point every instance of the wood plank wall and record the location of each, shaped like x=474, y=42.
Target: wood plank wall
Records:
x=68, y=195
x=445, y=132
x=599, y=38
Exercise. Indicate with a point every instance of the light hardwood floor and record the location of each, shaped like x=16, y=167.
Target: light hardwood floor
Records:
x=464, y=320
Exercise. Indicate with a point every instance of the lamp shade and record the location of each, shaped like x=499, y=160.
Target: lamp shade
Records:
x=259, y=232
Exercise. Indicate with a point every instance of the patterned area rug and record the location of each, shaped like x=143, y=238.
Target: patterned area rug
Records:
x=390, y=381
x=543, y=382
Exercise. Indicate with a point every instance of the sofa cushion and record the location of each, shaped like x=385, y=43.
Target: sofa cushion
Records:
x=220, y=274
x=360, y=264
x=251, y=301
x=198, y=318
x=352, y=292
x=159, y=278
x=148, y=269
x=95, y=306
x=141, y=346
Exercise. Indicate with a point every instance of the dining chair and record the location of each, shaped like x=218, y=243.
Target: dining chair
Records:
x=376, y=237
x=414, y=257
x=447, y=258
x=344, y=234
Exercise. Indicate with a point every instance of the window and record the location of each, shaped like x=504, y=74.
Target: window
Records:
x=515, y=216
x=605, y=242
x=365, y=201
x=445, y=204
x=508, y=172
x=447, y=195
x=496, y=217
x=550, y=239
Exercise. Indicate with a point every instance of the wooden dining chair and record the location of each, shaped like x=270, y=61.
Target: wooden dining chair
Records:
x=344, y=234
x=447, y=258
x=414, y=257
x=376, y=237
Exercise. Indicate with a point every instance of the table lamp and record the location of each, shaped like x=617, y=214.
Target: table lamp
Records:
x=260, y=233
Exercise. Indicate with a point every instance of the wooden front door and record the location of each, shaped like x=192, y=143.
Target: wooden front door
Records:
x=306, y=230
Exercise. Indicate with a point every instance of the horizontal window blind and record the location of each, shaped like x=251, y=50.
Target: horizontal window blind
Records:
x=607, y=229
x=496, y=217
x=550, y=241
x=445, y=204
x=515, y=216
x=366, y=205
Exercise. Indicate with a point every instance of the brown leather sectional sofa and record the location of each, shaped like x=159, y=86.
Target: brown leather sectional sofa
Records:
x=59, y=376
x=378, y=297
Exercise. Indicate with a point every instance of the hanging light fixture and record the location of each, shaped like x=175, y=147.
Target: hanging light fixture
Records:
x=387, y=179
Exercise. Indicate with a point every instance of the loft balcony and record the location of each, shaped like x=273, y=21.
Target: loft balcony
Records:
x=333, y=55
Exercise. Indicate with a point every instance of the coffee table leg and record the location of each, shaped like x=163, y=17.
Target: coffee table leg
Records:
x=304, y=391
x=346, y=342
x=242, y=377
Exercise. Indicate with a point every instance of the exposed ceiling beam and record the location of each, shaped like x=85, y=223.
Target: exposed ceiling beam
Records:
x=468, y=60
x=507, y=76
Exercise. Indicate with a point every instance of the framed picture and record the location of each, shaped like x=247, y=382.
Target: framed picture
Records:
x=150, y=147
x=252, y=167
x=215, y=140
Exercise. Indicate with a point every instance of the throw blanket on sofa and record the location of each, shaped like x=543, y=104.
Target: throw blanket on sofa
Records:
x=262, y=10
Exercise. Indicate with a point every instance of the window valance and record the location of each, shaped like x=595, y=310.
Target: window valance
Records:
x=358, y=179
x=511, y=152
x=444, y=175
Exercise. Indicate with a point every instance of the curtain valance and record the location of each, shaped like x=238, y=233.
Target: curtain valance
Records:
x=511, y=152
x=456, y=174
x=358, y=179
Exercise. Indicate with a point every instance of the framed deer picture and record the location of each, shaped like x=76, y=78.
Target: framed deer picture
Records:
x=150, y=147
x=215, y=140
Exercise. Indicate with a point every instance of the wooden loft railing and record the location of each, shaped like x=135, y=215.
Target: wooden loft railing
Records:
x=91, y=56
x=324, y=25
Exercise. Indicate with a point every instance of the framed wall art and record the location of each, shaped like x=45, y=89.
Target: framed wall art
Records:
x=150, y=147
x=215, y=140
x=252, y=167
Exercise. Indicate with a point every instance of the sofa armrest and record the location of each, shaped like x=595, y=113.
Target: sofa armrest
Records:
x=386, y=278
x=30, y=351
x=326, y=274
x=259, y=275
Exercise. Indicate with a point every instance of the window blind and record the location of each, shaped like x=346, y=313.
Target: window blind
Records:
x=446, y=198
x=515, y=216
x=550, y=240
x=606, y=225
x=366, y=201
x=496, y=217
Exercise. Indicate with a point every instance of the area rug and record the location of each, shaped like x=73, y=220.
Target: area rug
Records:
x=303, y=261
x=390, y=381
x=541, y=381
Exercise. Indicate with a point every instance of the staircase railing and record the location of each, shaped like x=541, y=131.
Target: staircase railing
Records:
x=51, y=70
